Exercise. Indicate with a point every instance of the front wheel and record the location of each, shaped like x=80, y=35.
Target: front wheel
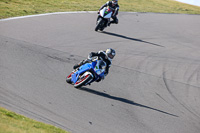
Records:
x=83, y=80
x=99, y=24
x=68, y=79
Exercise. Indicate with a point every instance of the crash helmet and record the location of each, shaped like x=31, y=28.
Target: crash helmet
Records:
x=110, y=53
x=114, y=2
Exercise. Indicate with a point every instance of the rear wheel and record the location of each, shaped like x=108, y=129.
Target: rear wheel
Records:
x=83, y=80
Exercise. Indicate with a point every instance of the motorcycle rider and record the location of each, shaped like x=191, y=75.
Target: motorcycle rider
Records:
x=106, y=56
x=113, y=5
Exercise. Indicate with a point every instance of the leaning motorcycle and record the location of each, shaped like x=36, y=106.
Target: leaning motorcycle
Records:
x=103, y=19
x=87, y=73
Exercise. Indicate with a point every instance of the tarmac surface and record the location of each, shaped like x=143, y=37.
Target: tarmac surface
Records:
x=153, y=85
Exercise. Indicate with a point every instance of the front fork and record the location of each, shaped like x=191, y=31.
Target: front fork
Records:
x=97, y=18
x=106, y=24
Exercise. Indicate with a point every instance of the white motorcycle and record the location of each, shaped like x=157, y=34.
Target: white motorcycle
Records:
x=104, y=18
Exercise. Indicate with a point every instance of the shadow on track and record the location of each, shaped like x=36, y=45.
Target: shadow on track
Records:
x=129, y=38
x=122, y=100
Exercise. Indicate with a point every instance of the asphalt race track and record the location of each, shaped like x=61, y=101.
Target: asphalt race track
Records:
x=153, y=85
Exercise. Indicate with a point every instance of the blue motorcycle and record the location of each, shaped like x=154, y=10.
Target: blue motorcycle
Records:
x=87, y=73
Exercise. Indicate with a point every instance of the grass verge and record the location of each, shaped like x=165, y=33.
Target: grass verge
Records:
x=11, y=122
x=12, y=8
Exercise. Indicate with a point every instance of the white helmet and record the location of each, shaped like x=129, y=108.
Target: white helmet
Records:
x=110, y=53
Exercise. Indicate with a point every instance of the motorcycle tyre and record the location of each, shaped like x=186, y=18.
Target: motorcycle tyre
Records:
x=79, y=83
x=99, y=21
x=68, y=79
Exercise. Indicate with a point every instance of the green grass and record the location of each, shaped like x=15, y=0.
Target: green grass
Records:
x=12, y=8
x=11, y=122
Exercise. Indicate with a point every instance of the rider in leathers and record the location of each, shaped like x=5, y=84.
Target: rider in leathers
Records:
x=106, y=56
x=113, y=5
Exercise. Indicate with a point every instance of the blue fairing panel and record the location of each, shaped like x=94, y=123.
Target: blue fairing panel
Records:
x=81, y=70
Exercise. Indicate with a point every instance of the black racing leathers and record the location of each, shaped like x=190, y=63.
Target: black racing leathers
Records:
x=114, y=8
x=102, y=55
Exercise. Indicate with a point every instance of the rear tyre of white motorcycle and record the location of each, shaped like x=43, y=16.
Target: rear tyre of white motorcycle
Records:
x=83, y=80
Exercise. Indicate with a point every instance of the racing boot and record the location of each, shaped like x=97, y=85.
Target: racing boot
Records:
x=111, y=22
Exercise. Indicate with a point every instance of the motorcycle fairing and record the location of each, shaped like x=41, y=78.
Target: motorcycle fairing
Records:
x=81, y=70
x=106, y=13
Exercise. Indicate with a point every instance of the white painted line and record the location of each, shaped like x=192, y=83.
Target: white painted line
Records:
x=55, y=13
